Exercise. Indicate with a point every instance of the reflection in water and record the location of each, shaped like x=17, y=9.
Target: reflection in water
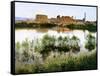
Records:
x=42, y=30
x=33, y=34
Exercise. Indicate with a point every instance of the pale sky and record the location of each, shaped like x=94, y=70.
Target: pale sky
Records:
x=29, y=10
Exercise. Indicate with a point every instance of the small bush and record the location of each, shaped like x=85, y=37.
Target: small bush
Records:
x=90, y=43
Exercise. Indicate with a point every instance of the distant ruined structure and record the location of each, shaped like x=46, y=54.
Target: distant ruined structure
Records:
x=41, y=18
x=65, y=20
x=84, y=19
x=59, y=20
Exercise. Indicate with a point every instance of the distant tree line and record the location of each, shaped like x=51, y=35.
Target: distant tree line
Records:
x=34, y=25
x=87, y=26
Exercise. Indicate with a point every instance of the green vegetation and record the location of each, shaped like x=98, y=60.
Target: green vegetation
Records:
x=34, y=25
x=87, y=26
x=55, y=54
x=59, y=64
x=91, y=42
x=60, y=44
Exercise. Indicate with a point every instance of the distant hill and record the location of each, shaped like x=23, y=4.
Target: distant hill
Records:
x=20, y=18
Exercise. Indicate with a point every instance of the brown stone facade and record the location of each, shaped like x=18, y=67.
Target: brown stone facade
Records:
x=65, y=20
x=59, y=20
x=41, y=18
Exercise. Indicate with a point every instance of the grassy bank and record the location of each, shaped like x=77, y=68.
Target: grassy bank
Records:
x=34, y=25
x=60, y=63
x=87, y=26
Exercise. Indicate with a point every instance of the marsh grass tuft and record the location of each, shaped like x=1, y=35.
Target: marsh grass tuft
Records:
x=61, y=63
